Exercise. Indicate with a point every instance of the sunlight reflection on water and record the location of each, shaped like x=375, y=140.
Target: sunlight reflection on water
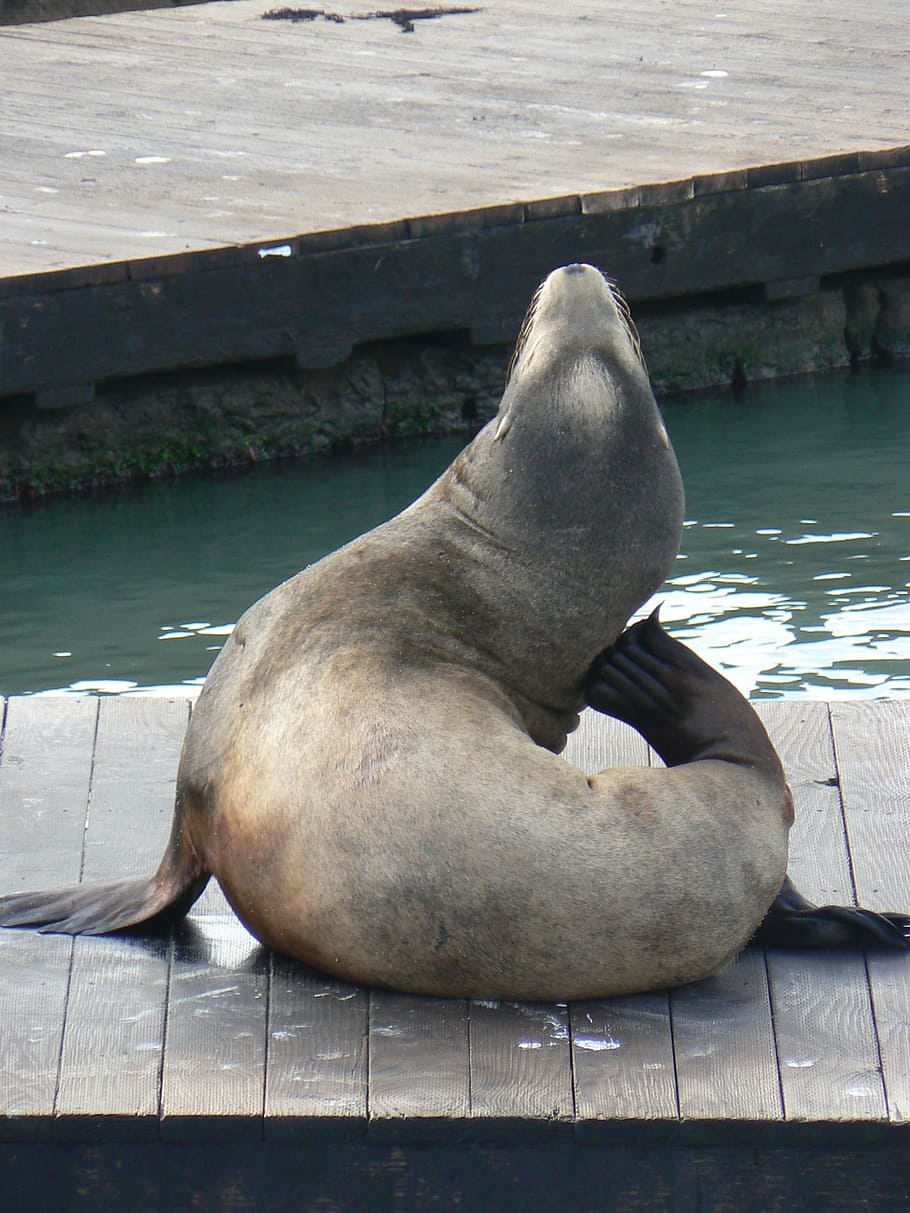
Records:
x=792, y=577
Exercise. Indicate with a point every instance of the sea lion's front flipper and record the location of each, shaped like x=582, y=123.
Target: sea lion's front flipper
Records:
x=681, y=706
x=794, y=922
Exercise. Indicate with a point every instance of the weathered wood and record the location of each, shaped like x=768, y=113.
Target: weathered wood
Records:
x=478, y=281
x=419, y=1066
x=114, y=1031
x=622, y=1048
x=622, y=1051
x=824, y=1028
x=873, y=757
x=600, y=742
x=819, y=862
x=521, y=1065
x=439, y=119
x=213, y=1076
x=46, y=764
x=45, y=774
x=726, y=1066
x=316, y=1077
x=442, y=188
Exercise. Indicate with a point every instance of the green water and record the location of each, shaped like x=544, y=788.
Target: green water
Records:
x=793, y=575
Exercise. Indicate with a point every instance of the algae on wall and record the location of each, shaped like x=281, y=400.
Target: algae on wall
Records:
x=223, y=417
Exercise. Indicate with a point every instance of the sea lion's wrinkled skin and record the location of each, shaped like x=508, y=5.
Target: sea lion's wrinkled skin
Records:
x=372, y=770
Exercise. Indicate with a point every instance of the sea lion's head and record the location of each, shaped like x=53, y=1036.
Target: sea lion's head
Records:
x=577, y=334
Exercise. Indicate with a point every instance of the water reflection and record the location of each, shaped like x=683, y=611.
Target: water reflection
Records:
x=793, y=573
x=792, y=578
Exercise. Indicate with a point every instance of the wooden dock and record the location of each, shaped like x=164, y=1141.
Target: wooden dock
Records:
x=199, y=1071
x=199, y=186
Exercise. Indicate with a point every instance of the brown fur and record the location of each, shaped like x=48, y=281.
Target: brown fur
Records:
x=372, y=770
x=369, y=764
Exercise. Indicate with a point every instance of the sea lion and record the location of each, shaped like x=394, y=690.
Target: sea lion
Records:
x=372, y=770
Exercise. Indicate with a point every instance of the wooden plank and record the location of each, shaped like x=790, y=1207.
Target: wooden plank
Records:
x=600, y=742
x=215, y=1042
x=45, y=774
x=873, y=760
x=47, y=762
x=726, y=1066
x=622, y=1051
x=114, y=1034
x=826, y=1042
x=316, y=1077
x=438, y=119
x=419, y=1067
x=825, y=1033
x=520, y=1066
x=819, y=862
x=213, y=1075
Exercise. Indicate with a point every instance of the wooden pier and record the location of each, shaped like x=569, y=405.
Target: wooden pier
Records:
x=199, y=186
x=199, y=1071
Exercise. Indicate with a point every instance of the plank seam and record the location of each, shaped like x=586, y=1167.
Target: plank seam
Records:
x=164, y=1032
x=570, y=1025
x=368, y=1060
x=780, y=1079
x=267, y=1043
x=470, y=1059
x=878, y=1042
x=72, y=943
x=845, y=825
x=91, y=788
x=869, y=984
x=673, y=1050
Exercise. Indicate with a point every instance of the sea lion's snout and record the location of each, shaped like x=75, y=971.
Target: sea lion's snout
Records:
x=576, y=311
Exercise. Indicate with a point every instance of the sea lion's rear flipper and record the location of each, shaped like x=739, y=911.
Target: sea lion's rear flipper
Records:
x=794, y=922
x=96, y=909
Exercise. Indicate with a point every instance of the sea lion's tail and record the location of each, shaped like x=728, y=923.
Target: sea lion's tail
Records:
x=96, y=909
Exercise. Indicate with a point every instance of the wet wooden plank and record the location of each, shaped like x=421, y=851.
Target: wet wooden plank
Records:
x=114, y=1034
x=726, y=1065
x=45, y=774
x=419, y=1066
x=213, y=1070
x=623, y=1063
x=316, y=1077
x=873, y=760
x=824, y=1027
x=213, y=1075
x=521, y=1072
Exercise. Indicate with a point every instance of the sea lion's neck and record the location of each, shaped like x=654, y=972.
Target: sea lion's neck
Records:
x=566, y=521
